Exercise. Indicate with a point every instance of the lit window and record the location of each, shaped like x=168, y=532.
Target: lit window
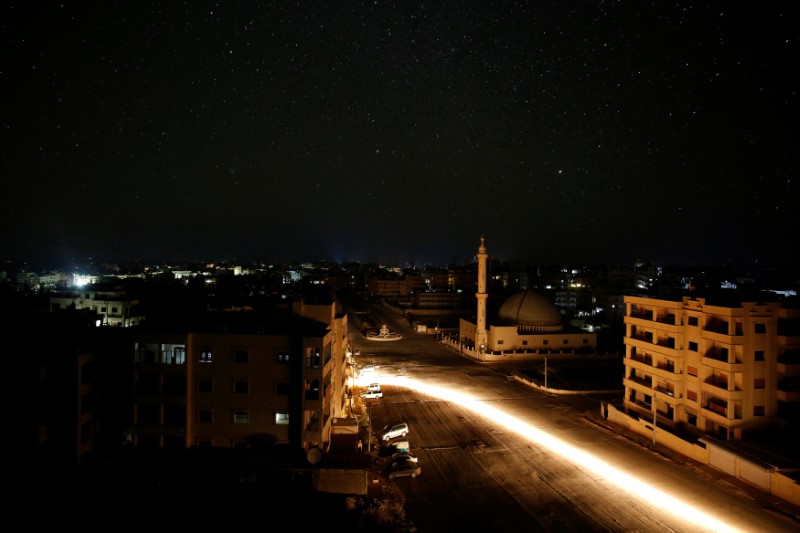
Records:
x=283, y=357
x=241, y=417
x=282, y=418
x=206, y=356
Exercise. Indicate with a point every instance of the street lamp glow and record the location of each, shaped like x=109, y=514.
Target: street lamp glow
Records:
x=622, y=480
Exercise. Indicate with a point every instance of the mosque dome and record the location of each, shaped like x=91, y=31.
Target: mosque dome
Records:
x=531, y=311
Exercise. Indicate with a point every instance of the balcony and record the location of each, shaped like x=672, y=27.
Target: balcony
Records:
x=669, y=392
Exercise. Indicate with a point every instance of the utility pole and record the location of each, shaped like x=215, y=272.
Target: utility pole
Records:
x=545, y=372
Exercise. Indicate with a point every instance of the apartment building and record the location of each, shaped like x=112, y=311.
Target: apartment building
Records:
x=242, y=379
x=114, y=307
x=721, y=365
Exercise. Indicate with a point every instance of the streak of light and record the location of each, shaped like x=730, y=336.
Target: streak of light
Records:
x=626, y=482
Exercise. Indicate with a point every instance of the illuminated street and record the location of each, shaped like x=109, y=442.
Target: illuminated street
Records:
x=500, y=456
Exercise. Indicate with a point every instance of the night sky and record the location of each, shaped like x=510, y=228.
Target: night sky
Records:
x=564, y=131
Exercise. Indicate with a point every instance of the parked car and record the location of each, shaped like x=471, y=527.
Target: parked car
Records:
x=372, y=394
x=391, y=431
x=405, y=456
x=404, y=469
x=374, y=386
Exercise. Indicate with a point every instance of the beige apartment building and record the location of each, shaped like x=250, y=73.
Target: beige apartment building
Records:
x=712, y=366
x=242, y=379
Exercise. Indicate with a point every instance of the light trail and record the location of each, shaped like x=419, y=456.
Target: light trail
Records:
x=626, y=482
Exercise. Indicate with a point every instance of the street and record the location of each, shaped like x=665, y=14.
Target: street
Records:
x=503, y=470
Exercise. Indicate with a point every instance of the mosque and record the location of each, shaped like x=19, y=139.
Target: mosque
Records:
x=528, y=325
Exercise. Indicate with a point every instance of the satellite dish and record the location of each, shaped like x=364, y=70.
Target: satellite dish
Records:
x=314, y=456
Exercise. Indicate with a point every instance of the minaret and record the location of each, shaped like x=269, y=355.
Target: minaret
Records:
x=480, y=331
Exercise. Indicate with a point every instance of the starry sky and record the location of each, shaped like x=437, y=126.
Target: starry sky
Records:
x=565, y=131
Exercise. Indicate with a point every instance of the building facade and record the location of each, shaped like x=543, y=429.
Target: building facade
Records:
x=722, y=369
x=242, y=379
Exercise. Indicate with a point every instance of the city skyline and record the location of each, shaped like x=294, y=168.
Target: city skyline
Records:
x=588, y=132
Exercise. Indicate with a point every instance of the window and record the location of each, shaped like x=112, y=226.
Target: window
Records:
x=282, y=389
x=174, y=415
x=174, y=384
x=545, y=342
x=499, y=342
x=241, y=387
x=585, y=341
x=282, y=418
x=693, y=321
x=241, y=417
x=241, y=356
x=87, y=402
x=86, y=374
x=758, y=410
x=759, y=383
x=691, y=395
x=692, y=346
x=692, y=371
x=282, y=358
x=205, y=415
x=205, y=385
x=86, y=432
x=565, y=341
x=760, y=328
x=114, y=311
x=758, y=355
x=148, y=415
x=206, y=356
x=103, y=309
x=524, y=343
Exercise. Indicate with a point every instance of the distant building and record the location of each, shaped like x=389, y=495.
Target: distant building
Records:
x=527, y=324
x=113, y=307
x=712, y=367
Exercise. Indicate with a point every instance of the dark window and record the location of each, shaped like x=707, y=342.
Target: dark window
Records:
x=693, y=321
x=148, y=383
x=565, y=341
x=86, y=432
x=241, y=387
x=758, y=410
x=758, y=355
x=148, y=415
x=760, y=328
x=87, y=403
x=174, y=415
x=174, y=385
x=205, y=385
x=545, y=342
x=241, y=356
x=86, y=373
x=205, y=415
x=759, y=383
x=692, y=346
x=174, y=443
x=282, y=389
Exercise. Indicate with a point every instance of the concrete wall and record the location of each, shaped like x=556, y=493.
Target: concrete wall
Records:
x=769, y=480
